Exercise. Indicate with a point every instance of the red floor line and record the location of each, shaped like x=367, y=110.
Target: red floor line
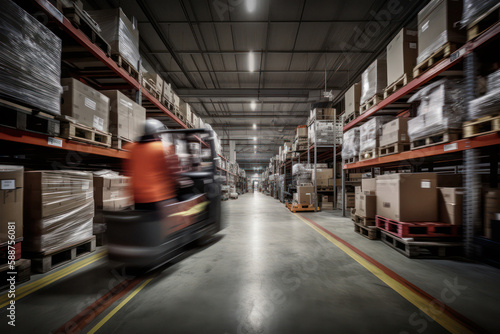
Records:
x=448, y=310
x=81, y=320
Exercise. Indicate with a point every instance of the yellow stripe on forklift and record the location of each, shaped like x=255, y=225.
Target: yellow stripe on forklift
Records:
x=51, y=278
x=419, y=301
x=117, y=308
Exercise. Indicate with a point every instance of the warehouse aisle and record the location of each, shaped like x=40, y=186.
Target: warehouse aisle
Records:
x=269, y=271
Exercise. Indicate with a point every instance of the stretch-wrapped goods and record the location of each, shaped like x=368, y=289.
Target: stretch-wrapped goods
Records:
x=350, y=147
x=58, y=209
x=441, y=107
x=370, y=132
x=474, y=8
x=488, y=104
x=373, y=79
x=30, y=60
x=120, y=33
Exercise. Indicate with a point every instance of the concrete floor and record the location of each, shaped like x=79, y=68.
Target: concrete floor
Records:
x=268, y=272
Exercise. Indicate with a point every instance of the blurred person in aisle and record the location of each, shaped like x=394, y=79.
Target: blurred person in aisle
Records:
x=153, y=167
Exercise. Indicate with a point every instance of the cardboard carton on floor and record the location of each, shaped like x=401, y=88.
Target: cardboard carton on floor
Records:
x=366, y=205
x=408, y=197
x=305, y=194
x=11, y=201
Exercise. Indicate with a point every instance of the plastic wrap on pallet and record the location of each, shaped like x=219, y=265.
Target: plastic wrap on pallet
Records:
x=30, y=60
x=370, y=132
x=493, y=81
x=485, y=105
x=119, y=32
x=325, y=132
x=373, y=79
x=350, y=147
x=58, y=209
x=474, y=8
x=441, y=107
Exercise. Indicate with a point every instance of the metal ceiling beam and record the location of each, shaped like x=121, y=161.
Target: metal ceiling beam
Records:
x=247, y=116
x=149, y=15
x=263, y=71
x=245, y=52
x=247, y=92
x=260, y=22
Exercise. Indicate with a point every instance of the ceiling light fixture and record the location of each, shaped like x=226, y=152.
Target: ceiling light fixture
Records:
x=251, y=61
x=251, y=5
x=255, y=126
x=254, y=138
x=253, y=105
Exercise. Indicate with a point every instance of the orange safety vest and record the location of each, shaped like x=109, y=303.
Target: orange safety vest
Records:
x=153, y=173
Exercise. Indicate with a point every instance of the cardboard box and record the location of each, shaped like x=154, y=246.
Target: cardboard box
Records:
x=85, y=105
x=322, y=114
x=408, y=197
x=436, y=26
x=58, y=209
x=402, y=55
x=369, y=186
x=112, y=193
x=366, y=205
x=305, y=194
x=126, y=118
x=11, y=201
x=323, y=174
x=373, y=80
x=396, y=131
x=350, y=200
x=338, y=182
x=352, y=98
x=167, y=92
x=301, y=131
x=491, y=208
x=450, y=205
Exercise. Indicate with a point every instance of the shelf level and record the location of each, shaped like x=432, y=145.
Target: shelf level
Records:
x=83, y=40
x=32, y=138
x=451, y=147
x=433, y=72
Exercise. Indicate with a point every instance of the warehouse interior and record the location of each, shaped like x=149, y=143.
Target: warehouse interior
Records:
x=249, y=166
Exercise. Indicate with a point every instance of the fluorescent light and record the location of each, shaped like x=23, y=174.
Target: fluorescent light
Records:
x=253, y=105
x=251, y=61
x=251, y=5
x=255, y=146
x=255, y=126
x=254, y=138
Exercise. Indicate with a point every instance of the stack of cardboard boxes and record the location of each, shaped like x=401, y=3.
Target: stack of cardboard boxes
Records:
x=305, y=195
x=366, y=199
x=393, y=133
x=300, y=141
x=373, y=80
x=401, y=57
x=126, y=118
x=351, y=99
x=11, y=202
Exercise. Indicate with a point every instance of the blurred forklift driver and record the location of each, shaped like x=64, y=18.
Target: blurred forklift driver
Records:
x=153, y=168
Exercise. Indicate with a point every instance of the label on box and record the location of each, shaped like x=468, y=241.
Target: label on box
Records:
x=425, y=26
x=55, y=142
x=8, y=185
x=425, y=184
x=91, y=104
x=65, y=88
x=114, y=194
x=413, y=45
x=127, y=104
x=85, y=185
x=98, y=123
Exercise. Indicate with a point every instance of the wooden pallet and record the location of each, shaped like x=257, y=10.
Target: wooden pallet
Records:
x=368, y=154
x=371, y=102
x=417, y=229
x=151, y=88
x=392, y=88
x=325, y=188
x=23, y=118
x=393, y=149
x=46, y=261
x=301, y=207
x=369, y=232
x=364, y=221
x=22, y=270
x=123, y=63
x=350, y=160
x=86, y=134
x=435, y=139
x=120, y=142
x=484, y=22
x=348, y=119
x=443, y=52
x=81, y=20
x=421, y=249
x=481, y=126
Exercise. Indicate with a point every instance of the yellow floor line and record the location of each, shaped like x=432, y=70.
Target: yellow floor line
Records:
x=422, y=303
x=38, y=284
x=117, y=308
